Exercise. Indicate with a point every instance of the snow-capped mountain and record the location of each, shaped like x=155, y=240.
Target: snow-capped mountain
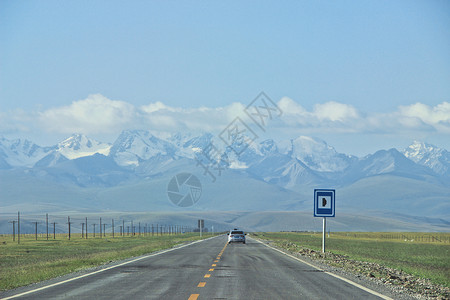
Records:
x=139, y=160
x=20, y=153
x=435, y=158
x=317, y=154
x=79, y=145
x=133, y=146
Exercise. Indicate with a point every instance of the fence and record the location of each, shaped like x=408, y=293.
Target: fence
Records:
x=88, y=227
x=422, y=237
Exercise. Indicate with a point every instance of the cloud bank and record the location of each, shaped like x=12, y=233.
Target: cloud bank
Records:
x=99, y=115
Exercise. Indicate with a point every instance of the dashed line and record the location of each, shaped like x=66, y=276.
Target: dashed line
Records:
x=203, y=283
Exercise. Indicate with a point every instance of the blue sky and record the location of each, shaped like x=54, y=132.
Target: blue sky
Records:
x=382, y=66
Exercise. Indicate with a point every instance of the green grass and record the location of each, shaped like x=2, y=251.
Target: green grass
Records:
x=422, y=259
x=33, y=261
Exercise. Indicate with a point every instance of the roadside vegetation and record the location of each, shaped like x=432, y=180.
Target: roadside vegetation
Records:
x=416, y=255
x=33, y=261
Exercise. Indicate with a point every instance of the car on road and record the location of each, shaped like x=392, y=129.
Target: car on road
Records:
x=236, y=236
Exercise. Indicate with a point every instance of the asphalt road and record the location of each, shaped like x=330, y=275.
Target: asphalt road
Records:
x=210, y=269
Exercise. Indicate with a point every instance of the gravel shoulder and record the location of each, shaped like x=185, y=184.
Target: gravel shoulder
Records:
x=387, y=281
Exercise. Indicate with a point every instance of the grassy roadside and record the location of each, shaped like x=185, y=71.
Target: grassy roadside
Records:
x=33, y=261
x=424, y=260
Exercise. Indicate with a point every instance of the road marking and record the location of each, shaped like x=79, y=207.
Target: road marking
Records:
x=105, y=269
x=331, y=274
x=202, y=284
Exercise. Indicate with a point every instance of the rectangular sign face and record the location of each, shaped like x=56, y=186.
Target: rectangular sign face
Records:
x=324, y=203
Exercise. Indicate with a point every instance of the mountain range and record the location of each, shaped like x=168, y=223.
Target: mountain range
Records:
x=132, y=174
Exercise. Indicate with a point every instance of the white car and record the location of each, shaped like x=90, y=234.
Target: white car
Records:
x=236, y=236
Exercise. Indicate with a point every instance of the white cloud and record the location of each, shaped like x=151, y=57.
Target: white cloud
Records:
x=99, y=115
x=418, y=114
x=95, y=114
x=335, y=111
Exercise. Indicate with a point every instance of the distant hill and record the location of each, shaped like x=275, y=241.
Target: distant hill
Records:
x=132, y=174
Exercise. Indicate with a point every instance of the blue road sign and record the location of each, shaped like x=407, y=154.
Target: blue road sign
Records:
x=324, y=203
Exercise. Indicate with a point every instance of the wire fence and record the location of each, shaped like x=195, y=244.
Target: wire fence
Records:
x=58, y=227
x=419, y=237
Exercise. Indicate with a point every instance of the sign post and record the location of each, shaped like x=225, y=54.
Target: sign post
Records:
x=324, y=206
x=201, y=224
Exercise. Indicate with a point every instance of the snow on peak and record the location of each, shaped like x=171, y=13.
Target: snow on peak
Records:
x=429, y=155
x=316, y=154
x=21, y=153
x=133, y=146
x=79, y=145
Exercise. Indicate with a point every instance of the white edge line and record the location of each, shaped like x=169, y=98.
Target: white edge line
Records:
x=105, y=269
x=329, y=273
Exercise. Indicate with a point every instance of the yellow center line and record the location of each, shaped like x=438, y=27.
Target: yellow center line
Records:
x=203, y=283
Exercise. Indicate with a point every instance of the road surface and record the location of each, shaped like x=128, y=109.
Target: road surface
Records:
x=210, y=269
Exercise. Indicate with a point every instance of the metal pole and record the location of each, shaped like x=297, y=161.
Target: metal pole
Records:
x=323, y=233
x=18, y=227
x=68, y=222
x=35, y=230
x=46, y=222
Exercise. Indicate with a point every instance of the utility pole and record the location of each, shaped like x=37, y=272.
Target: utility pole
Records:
x=100, y=227
x=68, y=222
x=104, y=229
x=94, y=229
x=86, y=228
x=46, y=224
x=18, y=227
x=54, y=230
x=35, y=229
x=112, y=222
